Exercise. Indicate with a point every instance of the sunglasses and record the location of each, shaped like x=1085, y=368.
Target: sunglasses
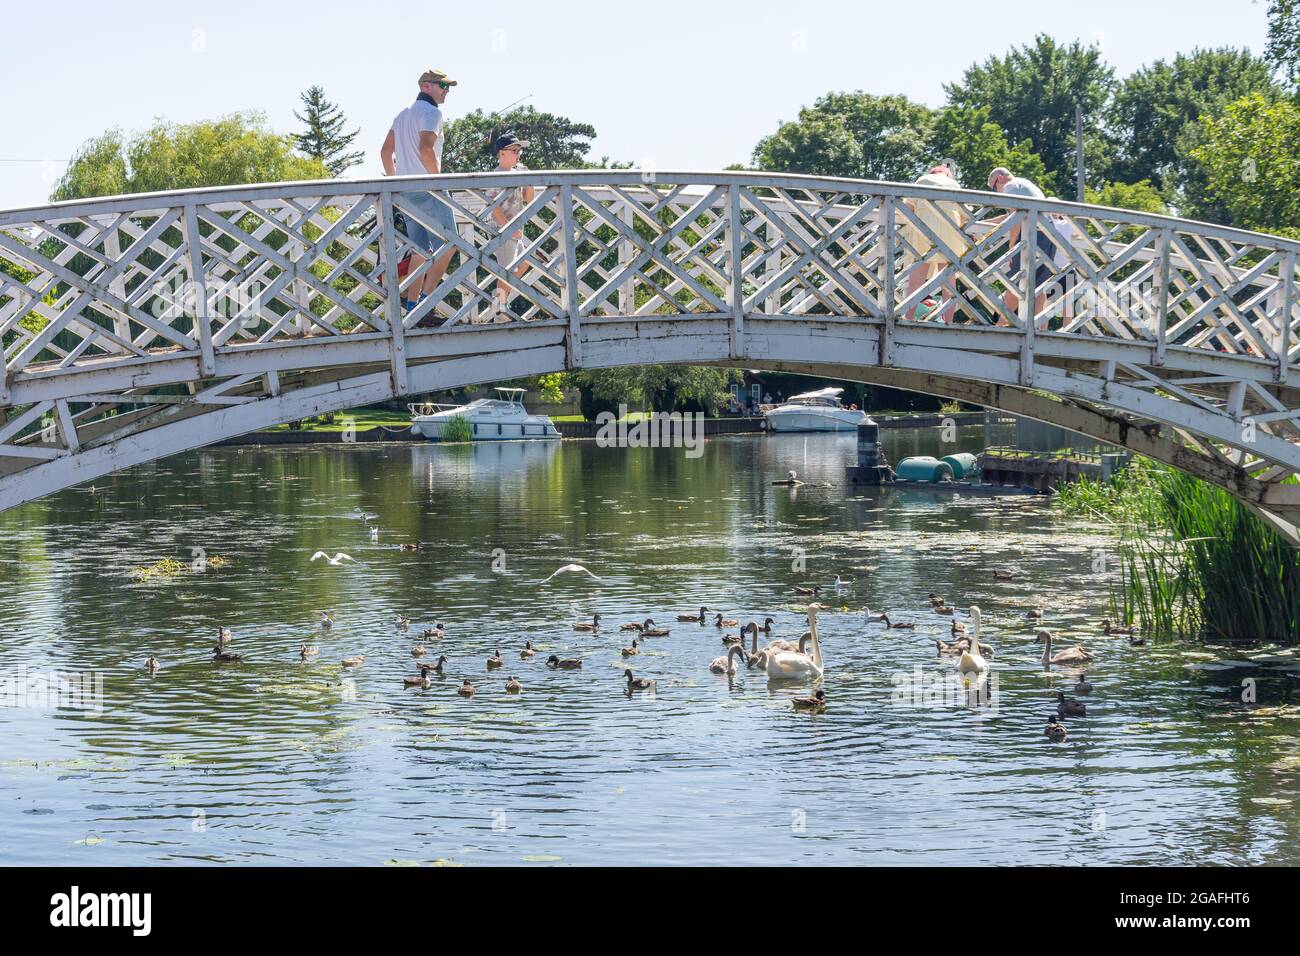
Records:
x=445, y=86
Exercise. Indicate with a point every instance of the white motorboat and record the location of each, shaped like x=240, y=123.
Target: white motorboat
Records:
x=492, y=419
x=819, y=411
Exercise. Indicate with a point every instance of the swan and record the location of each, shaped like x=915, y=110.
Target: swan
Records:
x=788, y=665
x=573, y=569
x=339, y=557
x=1071, y=655
x=727, y=664
x=971, y=660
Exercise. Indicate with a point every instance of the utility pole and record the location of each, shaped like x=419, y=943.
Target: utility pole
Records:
x=1078, y=152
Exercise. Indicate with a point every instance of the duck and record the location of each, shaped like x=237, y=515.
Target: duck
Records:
x=971, y=660
x=631, y=627
x=408, y=547
x=225, y=635
x=1111, y=631
x=694, y=617
x=466, y=689
x=1071, y=655
x=495, y=660
x=152, y=665
x=943, y=609
x=935, y=600
x=1035, y=614
x=1068, y=707
x=222, y=656
x=1137, y=641
x=727, y=664
x=436, y=667
x=527, y=651
x=1082, y=687
x=593, y=626
x=326, y=619
x=813, y=591
x=648, y=629
x=901, y=625
x=630, y=651
x=513, y=686
x=638, y=683
x=767, y=625
x=306, y=652
x=730, y=639
x=719, y=622
x=419, y=680
x=433, y=633
x=816, y=703
x=403, y=622
x=1054, y=731
x=957, y=627
x=953, y=649
x=418, y=650
x=356, y=661
x=568, y=663
x=791, y=479
x=999, y=575
x=787, y=665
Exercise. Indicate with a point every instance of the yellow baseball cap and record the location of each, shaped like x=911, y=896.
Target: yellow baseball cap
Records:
x=436, y=76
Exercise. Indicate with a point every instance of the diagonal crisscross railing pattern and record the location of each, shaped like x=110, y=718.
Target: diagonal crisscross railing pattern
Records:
x=138, y=326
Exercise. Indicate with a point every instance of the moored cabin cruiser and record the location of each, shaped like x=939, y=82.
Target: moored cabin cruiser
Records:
x=492, y=419
x=819, y=411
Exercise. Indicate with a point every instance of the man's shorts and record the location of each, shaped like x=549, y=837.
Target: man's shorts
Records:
x=508, y=252
x=1044, y=273
x=433, y=209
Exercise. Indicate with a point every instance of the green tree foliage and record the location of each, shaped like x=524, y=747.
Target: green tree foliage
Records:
x=231, y=150
x=857, y=135
x=1251, y=166
x=977, y=144
x=555, y=142
x=661, y=388
x=325, y=136
x=1143, y=197
x=1283, y=49
x=1031, y=93
x=1157, y=110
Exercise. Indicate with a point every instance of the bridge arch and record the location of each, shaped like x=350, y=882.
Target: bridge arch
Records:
x=136, y=327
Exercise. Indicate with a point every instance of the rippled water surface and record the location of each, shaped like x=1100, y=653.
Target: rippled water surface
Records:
x=276, y=761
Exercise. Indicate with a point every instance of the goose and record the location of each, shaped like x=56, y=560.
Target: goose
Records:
x=791, y=479
x=694, y=617
x=630, y=651
x=339, y=557
x=1054, y=731
x=972, y=661
x=1110, y=631
x=719, y=622
x=220, y=656
x=1072, y=655
x=568, y=663
x=466, y=689
x=418, y=650
x=403, y=622
x=419, y=680
x=573, y=569
x=152, y=665
x=1068, y=707
x=816, y=703
x=225, y=635
x=787, y=665
x=495, y=660
x=593, y=626
x=327, y=619
x=528, y=650
x=813, y=591
x=513, y=686
x=726, y=665
x=638, y=683
x=356, y=661
x=1082, y=687
x=305, y=652
x=648, y=629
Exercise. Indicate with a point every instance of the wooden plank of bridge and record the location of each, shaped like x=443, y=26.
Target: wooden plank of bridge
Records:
x=571, y=276
x=1029, y=259
x=737, y=291
x=194, y=243
x=393, y=299
x=890, y=305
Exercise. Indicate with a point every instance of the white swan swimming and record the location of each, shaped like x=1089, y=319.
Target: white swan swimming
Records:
x=793, y=665
x=971, y=660
x=727, y=665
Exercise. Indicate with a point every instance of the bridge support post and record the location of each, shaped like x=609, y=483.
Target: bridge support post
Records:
x=889, y=306
x=202, y=325
x=1029, y=258
x=574, y=343
x=1288, y=311
x=1162, y=297
x=737, y=290
x=393, y=301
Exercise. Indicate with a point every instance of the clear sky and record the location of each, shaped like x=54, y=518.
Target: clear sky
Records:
x=676, y=85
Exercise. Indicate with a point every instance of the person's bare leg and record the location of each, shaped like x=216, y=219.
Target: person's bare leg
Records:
x=437, y=271
x=918, y=277
x=412, y=292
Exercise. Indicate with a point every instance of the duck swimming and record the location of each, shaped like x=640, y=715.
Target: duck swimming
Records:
x=816, y=703
x=513, y=686
x=356, y=661
x=1067, y=707
x=630, y=651
x=152, y=665
x=568, y=663
x=466, y=689
x=419, y=680
x=495, y=660
x=1054, y=731
x=694, y=617
x=221, y=656
x=648, y=629
x=305, y=652
x=528, y=650
x=638, y=683
x=584, y=626
x=719, y=622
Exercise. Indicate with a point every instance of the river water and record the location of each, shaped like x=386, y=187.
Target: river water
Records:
x=275, y=761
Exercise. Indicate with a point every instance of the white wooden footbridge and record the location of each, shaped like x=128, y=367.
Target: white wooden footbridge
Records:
x=141, y=326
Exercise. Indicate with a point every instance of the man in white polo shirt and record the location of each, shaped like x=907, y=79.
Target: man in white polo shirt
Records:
x=413, y=147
